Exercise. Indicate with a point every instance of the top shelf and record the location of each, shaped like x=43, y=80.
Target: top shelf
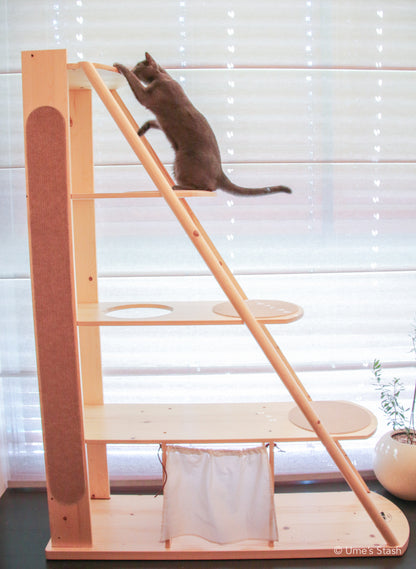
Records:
x=78, y=80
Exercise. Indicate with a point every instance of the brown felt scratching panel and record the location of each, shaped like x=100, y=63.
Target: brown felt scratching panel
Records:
x=53, y=302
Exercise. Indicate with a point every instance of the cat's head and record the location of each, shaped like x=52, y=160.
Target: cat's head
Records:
x=147, y=70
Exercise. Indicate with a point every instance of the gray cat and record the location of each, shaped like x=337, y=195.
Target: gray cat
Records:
x=197, y=157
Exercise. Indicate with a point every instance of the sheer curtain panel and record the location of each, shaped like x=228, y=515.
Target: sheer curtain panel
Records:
x=316, y=95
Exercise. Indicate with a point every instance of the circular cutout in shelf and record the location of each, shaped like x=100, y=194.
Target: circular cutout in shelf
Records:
x=339, y=417
x=139, y=311
x=263, y=309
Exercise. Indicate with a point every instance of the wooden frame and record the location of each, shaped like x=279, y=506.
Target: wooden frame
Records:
x=75, y=532
x=46, y=116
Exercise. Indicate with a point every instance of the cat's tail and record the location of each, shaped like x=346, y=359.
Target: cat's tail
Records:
x=228, y=186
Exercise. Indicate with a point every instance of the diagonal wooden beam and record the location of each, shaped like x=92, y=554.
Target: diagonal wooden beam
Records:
x=237, y=299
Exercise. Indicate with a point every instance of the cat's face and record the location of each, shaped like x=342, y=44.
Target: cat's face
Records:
x=147, y=70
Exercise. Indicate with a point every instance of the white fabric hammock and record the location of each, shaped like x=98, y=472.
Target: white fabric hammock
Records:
x=220, y=495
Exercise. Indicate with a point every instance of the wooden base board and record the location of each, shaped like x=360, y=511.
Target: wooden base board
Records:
x=317, y=524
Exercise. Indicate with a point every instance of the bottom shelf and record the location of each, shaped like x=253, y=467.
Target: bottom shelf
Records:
x=318, y=524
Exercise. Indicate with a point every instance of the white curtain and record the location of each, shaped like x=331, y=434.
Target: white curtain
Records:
x=223, y=496
x=316, y=95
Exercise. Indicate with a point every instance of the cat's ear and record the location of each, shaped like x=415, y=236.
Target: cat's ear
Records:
x=150, y=59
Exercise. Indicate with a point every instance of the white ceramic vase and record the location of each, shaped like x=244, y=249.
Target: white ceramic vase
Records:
x=395, y=466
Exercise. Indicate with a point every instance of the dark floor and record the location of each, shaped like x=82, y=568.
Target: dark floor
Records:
x=24, y=532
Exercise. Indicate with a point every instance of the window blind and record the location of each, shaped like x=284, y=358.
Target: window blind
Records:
x=318, y=96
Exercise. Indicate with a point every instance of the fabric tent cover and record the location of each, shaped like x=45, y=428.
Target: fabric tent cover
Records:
x=223, y=496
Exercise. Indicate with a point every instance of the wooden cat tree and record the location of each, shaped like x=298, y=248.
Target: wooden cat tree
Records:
x=85, y=521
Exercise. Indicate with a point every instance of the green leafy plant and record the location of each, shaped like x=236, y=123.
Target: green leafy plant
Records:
x=400, y=419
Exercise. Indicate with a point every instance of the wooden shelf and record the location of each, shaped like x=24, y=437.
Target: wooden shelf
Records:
x=181, y=313
x=218, y=423
x=310, y=525
x=78, y=80
x=141, y=194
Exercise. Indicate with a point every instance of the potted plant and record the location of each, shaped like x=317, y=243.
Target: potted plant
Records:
x=395, y=452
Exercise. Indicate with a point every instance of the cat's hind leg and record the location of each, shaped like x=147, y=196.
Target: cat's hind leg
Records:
x=148, y=125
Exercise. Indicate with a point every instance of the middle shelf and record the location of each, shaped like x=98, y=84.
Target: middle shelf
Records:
x=221, y=422
x=183, y=313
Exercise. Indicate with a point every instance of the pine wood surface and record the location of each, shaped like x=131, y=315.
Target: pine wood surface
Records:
x=141, y=194
x=78, y=80
x=46, y=122
x=205, y=422
x=177, y=313
x=318, y=524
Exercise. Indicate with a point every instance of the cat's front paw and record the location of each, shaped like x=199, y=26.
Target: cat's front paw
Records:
x=121, y=68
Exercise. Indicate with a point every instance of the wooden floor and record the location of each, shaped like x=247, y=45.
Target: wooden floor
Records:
x=24, y=533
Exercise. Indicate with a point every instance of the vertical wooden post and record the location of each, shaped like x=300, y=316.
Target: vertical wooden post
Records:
x=271, y=462
x=46, y=121
x=164, y=462
x=82, y=176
